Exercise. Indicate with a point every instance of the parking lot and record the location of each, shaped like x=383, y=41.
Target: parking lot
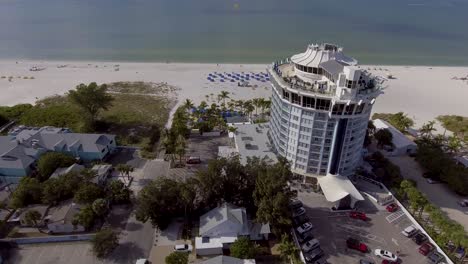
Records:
x=381, y=231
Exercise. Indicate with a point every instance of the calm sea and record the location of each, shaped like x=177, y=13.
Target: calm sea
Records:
x=429, y=32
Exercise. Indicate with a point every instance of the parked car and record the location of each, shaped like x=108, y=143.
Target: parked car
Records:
x=426, y=248
x=386, y=255
x=435, y=257
x=392, y=207
x=419, y=238
x=142, y=261
x=463, y=203
x=358, y=215
x=305, y=227
x=313, y=255
x=193, y=160
x=299, y=220
x=183, y=248
x=299, y=211
x=311, y=244
x=305, y=237
x=294, y=204
x=356, y=244
x=409, y=231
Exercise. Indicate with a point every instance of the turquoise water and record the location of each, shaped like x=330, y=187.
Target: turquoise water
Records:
x=430, y=32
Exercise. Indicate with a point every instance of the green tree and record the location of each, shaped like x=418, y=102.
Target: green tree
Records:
x=384, y=137
x=50, y=161
x=55, y=190
x=119, y=193
x=32, y=217
x=91, y=98
x=28, y=192
x=14, y=112
x=454, y=144
x=401, y=121
x=87, y=193
x=272, y=196
x=158, y=202
x=180, y=147
x=223, y=95
x=188, y=104
x=104, y=242
x=288, y=249
x=100, y=207
x=248, y=107
x=427, y=129
x=125, y=169
x=243, y=248
x=177, y=258
x=85, y=217
x=257, y=103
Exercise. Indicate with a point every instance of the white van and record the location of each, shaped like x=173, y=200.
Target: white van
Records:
x=409, y=231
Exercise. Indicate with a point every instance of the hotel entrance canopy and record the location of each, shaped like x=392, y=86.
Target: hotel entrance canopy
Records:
x=337, y=187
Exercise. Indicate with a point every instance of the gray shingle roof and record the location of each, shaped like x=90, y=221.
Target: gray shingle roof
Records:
x=220, y=215
x=13, y=155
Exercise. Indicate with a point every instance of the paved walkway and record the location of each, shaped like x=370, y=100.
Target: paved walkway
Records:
x=438, y=194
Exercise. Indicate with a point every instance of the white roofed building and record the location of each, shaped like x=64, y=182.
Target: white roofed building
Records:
x=402, y=145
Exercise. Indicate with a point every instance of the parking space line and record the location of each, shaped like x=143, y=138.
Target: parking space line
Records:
x=395, y=242
x=362, y=234
x=395, y=216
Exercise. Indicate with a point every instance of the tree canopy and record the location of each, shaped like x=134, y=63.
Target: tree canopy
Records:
x=243, y=248
x=104, y=242
x=55, y=190
x=85, y=217
x=28, y=192
x=50, y=161
x=384, y=137
x=399, y=120
x=91, y=98
x=177, y=258
x=88, y=193
x=118, y=192
x=456, y=124
x=32, y=217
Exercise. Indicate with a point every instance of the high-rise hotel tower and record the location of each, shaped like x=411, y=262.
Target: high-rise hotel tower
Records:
x=321, y=105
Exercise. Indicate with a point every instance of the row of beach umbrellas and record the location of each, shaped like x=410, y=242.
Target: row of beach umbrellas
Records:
x=237, y=77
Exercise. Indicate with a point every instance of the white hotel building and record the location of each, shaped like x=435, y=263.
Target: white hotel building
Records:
x=321, y=105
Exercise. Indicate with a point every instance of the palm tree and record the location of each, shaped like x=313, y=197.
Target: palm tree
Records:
x=240, y=105
x=256, y=102
x=288, y=249
x=125, y=169
x=188, y=104
x=427, y=129
x=231, y=104
x=266, y=104
x=401, y=121
x=180, y=147
x=223, y=96
x=454, y=144
x=248, y=106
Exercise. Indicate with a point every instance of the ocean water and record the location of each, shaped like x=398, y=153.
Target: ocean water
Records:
x=410, y=32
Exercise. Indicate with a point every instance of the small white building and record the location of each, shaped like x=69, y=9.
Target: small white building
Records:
x=221, y=227
x=402, y=145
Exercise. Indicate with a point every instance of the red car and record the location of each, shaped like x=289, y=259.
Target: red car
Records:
x=356, y=244
x=426, y=248
x=392, y=207
x=358, y=215
x=388, y=262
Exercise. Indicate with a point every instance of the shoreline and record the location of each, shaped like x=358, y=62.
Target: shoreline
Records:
x=423, y=92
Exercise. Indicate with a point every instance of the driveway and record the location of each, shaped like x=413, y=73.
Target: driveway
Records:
x=438, y=194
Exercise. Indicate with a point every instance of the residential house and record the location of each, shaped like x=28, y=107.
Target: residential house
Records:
x=102, y=172
x=23, y=146
x=20, y=215
x=227, y=260
x=221, y=227
x=60, y=218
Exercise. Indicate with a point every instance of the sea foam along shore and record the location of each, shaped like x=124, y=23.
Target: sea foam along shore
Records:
x=422, y=92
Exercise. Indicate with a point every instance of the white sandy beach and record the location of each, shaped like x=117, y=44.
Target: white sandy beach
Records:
x=421, y=91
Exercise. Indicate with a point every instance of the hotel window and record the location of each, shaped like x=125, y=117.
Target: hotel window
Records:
x=285, y=95
x=338, y=109
x=296, y=99
x=323, y=104
x=349, y=109
x=360, y=108
x=308, y=102
x=314, y=70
